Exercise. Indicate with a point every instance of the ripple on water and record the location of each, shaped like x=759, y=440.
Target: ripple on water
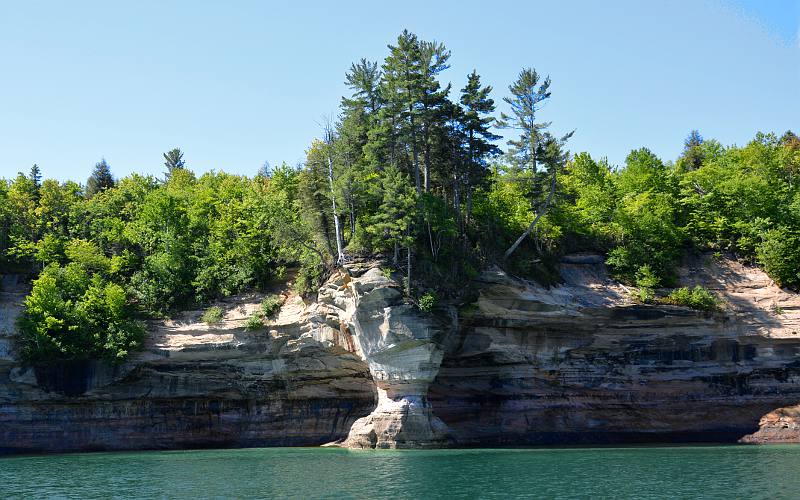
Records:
x=634, y=472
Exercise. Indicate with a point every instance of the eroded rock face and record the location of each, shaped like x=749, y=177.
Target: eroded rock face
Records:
x=194, y=386
x=577, y=363
x=581, y=363
x=778, y=426
x=401, y=348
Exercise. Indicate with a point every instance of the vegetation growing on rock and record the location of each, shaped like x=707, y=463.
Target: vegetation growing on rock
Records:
x=410, y=169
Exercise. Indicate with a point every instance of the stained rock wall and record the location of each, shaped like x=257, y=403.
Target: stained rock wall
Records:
x=194, y=386
x=577, y=363
x=581, y=363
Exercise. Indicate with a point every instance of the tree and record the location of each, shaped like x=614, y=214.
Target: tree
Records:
x=433, y=100
x=692, y=151
x=100, y=180
x=476, y=122
x=265, y=170
x=364, y=80
x=36, y=179
x=534, y=145
x=329, y=153
x=173, y=161
x=401, y=88
x=392, y=224
x=72, y=314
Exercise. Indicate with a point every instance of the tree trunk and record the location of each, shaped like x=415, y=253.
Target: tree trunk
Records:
x=535, y=220
x=427, y=172
x=408, y=271
x=468, y=211
x=336, y=228
x=414, y=152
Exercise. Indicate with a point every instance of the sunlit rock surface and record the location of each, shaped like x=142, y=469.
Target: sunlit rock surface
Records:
x=582, y=363
x=194, y=386
x=517, y=364
x=401, y=347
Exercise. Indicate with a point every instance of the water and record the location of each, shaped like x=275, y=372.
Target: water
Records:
x=652, y=472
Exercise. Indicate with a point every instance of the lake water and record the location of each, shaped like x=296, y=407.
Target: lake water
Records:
x=651, y=472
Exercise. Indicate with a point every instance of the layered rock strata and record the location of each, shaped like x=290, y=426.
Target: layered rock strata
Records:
x=194, y=386
x=778, y=426
x=520, y=364
x=401, y=347
x=582, y=363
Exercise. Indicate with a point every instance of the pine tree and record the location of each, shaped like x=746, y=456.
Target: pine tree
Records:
x=433, y=101
x=265, y=170
x=173, y=160
x=401, y=89
x=100, y=180
x=36, y=179
x=534, y=146
x=392, y=224
x=364, y=80
x=692, y=152
x=476, y=122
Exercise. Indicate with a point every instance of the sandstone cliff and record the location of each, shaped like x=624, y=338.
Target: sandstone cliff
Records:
x=521, y=364
x=194, y=386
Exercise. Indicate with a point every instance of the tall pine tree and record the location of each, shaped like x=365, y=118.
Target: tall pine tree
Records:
x=476, y=122
x=534, y=146
x=173, y=160
x=100, y=180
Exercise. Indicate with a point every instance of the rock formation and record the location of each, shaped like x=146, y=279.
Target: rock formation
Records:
x=583, y=363
x=520, y=364
x=778, y=426
x=194, y=386
x=401, y=348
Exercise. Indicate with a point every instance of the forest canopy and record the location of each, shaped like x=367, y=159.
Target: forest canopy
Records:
x=412, y=170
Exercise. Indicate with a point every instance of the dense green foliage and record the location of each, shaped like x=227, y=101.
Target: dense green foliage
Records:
x=410, y=170
x=75, y=313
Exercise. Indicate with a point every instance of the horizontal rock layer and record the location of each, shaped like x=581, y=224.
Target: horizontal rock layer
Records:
x=582, y=364
x=195, y=386
x=578, y=363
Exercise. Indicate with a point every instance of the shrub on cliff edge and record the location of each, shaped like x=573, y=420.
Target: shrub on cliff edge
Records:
x=71, y=314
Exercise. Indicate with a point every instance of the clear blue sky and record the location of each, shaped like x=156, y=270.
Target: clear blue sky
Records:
x=236, y=83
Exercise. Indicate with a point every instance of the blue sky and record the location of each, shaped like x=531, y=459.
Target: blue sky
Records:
x=236, y=83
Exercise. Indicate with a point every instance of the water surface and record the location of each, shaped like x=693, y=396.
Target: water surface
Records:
x=647, y=472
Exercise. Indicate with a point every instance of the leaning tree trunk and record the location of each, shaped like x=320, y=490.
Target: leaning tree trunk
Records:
x=535, y=220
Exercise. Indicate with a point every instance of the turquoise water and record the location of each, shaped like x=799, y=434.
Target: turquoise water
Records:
x=652, y=472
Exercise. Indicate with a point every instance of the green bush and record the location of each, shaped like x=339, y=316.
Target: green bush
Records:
x=212, y=315
x=696, y=298
x=779, y=253
x=254, y=322
x=646, y=280
x=428, y=301
x=270, y=305
x=70, y=314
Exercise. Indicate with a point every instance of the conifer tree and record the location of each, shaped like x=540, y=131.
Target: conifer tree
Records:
x=173, y=160
x=36, y=179
x=476, y=122
x=534, y=145
x=401, y=89
x=100, y=180
x=692, y=152
x=393, y=222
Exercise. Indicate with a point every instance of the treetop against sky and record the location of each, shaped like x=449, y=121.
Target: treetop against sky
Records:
x=234, y=86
